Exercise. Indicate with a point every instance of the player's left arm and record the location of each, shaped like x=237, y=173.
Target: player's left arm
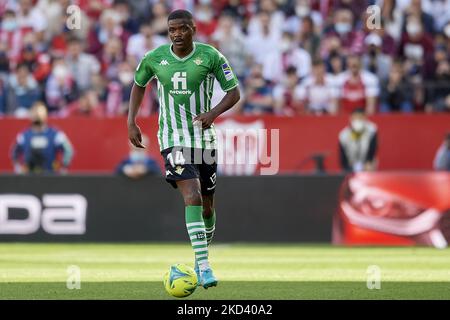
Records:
x=229, y=83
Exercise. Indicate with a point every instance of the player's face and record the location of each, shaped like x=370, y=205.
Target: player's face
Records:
x=181, y=33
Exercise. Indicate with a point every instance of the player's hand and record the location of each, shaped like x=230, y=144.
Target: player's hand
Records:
x=135, y=135
x=205, y=119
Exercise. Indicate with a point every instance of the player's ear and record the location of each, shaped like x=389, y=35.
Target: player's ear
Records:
x=194, y=29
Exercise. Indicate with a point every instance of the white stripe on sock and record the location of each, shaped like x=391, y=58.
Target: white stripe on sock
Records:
x=195, y=224
x=199, y=243
x=196, y=230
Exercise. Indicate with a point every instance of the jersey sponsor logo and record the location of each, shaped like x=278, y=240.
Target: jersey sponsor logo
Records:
x=179, y=79
x=227, y=71
x=189, y=92
x=164, y=63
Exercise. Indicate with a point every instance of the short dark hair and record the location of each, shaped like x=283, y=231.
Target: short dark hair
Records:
x=291, y=70
x=180, y=14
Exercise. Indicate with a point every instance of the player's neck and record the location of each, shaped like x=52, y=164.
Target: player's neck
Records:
x=181, y=53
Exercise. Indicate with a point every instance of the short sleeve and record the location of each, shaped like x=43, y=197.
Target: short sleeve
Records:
x=223, y=72
x=144, y=73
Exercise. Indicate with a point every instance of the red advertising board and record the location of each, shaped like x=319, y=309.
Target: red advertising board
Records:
x=406, y=142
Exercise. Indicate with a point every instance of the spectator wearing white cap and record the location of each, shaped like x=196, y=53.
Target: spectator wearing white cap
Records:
x=374, y=60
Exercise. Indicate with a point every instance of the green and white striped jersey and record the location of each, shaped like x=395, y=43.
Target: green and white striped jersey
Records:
x=185, y=88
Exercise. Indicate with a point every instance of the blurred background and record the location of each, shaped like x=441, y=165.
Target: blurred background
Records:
x=359, y=90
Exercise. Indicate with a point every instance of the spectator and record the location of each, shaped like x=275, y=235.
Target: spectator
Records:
x=335, y=59
x=205, y=20
x=231, y=42
x=37, y=62
x=442, y=158
x=119, y=90
x=60, y=88
x=335, y=62
x=23, y=91
x=396, y=91
x=358, y=144
x=123, y=9
x=318, y=93
x=438, y=92
x=83, y=66
x=374, y=60
x=269, y=10
x=356, y=7
x=31, y=19
x=446, y=39
x=88, y=105
x=358, y=88
x=138, y=164
x=352, y=40
x=439, y=10
x=417, y=46
x=308, y=37
x=110, y=27
x=36, y=149
x=284, y=92
x=4, y=60
x=392, y=18
x=3, y=95
x=414, y=10
x=11, y=37
x=388, y=44
x=112, y=57
x=260, y=44
x=258, y=93
x=141, y=43
x=277, y=62
x=159, y=18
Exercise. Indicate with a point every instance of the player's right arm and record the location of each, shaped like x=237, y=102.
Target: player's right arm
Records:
x=144, y=74
x=134, y=132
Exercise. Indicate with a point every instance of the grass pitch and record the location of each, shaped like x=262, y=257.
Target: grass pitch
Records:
x=135, y=271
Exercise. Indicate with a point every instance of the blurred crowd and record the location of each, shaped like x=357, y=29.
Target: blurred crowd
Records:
x=292, y=57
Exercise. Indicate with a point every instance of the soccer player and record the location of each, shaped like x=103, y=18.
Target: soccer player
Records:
x=185, y=71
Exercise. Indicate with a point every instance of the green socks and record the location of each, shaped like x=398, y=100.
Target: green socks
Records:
x=196, y=230
x=210, y=226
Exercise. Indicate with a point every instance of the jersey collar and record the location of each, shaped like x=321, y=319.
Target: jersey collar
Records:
x=185, y=58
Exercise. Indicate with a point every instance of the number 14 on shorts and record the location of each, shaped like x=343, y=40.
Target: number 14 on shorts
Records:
x=179, y=159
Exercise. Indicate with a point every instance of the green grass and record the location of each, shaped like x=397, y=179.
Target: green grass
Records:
x=134, y=271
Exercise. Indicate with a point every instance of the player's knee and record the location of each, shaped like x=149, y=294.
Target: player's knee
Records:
x=193, y=198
